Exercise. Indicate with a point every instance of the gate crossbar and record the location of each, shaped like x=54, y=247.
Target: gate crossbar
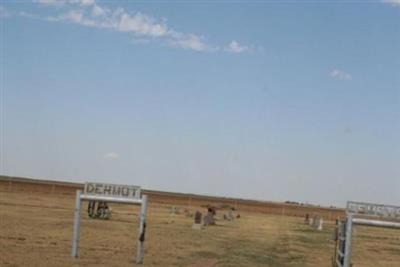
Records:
x=343, y=258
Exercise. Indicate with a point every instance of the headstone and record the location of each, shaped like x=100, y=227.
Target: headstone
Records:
x=307, y=219
x=315, y=222
x=212, y=210
x=197, y=217
x=209, y=219
x=321, y=222
x=231, y=217
x=197, y=221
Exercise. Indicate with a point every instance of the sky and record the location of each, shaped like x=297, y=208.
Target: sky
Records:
x=268, y=100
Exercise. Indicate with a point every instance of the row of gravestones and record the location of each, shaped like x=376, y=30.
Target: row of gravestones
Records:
x=201, y=221
x=316, y=221
x=209, y=219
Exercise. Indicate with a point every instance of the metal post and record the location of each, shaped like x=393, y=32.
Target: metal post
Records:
x=77, y=224
x=347, y=248
x=142, y=231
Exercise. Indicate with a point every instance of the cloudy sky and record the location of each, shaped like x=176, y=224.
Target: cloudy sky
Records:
x=276, y=101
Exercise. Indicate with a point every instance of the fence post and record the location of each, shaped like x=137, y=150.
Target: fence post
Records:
x=77, y=225
x=347, y=246
x=142, y=231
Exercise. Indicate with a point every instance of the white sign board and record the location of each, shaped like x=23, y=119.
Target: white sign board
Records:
x=112, y=190
x=384, y=211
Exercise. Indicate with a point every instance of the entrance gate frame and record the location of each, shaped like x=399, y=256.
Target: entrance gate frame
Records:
x=80, y=197
x=355, y=210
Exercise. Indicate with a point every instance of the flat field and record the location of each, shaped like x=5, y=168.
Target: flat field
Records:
x=36, y=230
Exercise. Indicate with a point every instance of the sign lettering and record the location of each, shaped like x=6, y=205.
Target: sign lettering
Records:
x=112, y=190
x=384, y=211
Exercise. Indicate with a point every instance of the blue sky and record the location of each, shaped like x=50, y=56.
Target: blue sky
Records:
x=266, y=100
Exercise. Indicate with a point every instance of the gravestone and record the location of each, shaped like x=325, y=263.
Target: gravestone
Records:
x=209, y=219
x=317, y=222
x=197, y=221
x=307, y=219
x=231, y=216
x=197, y=217
x=320, y=224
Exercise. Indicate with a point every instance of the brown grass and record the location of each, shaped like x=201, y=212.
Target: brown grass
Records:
x=36, y=230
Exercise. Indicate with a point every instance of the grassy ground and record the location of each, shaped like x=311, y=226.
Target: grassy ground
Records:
x=36, y=230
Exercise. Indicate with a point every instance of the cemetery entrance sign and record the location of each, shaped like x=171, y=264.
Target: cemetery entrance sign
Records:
x=371, y=209
x=111, y=193
x=112, y=190
x=359, y=213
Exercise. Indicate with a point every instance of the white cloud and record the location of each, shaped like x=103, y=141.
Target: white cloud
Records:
x=138, y=24
x=188, y=41
x=50, y=2
x=142, y=25
x=392, y=2
x=111, y=155
x=86, y=2
x=90, y=14
x=98, y=11
x=62, y=2
x=235, y=47
x=74, y=16
x=340, y=75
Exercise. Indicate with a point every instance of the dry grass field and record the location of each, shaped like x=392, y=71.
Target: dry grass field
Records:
x=36, y=230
